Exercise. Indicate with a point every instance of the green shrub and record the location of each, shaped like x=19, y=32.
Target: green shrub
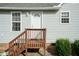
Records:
x=76, y=47
x=63, y=47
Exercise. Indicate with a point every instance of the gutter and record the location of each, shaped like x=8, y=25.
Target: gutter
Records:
x=29, y=8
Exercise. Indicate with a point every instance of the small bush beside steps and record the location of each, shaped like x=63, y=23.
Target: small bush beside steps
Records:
x=63, y=47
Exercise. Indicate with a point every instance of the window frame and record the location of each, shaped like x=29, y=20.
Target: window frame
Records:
x=64, y=17
x=16, y=21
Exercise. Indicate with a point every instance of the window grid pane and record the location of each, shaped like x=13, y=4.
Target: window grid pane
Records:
x=65, y=20
x=16, y=29
x=65, y=14
x=15, y=16
x=16, y=26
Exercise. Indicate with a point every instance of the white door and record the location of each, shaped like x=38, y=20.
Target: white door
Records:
x=36, y=20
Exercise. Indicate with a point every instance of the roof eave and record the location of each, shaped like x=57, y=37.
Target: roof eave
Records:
x=30, y=8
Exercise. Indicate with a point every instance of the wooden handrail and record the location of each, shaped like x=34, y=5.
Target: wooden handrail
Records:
x=16, y=38
x=36, y=29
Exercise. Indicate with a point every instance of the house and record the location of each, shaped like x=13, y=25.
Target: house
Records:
x=61, y=20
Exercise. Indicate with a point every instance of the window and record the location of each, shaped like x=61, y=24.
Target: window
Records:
x=16, y=24
x=64, y=17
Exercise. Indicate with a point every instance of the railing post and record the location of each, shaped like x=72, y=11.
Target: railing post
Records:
x=9, y=50
x=44, y=37
x=26, y=40
x=25, y=37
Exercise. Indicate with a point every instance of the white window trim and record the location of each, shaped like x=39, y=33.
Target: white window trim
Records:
x=63, y=17
x=18, y=21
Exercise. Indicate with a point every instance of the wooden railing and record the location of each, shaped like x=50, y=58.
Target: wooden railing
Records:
x=17, y=45
x=36, y=33
x=30, y=38
x=36, y=38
